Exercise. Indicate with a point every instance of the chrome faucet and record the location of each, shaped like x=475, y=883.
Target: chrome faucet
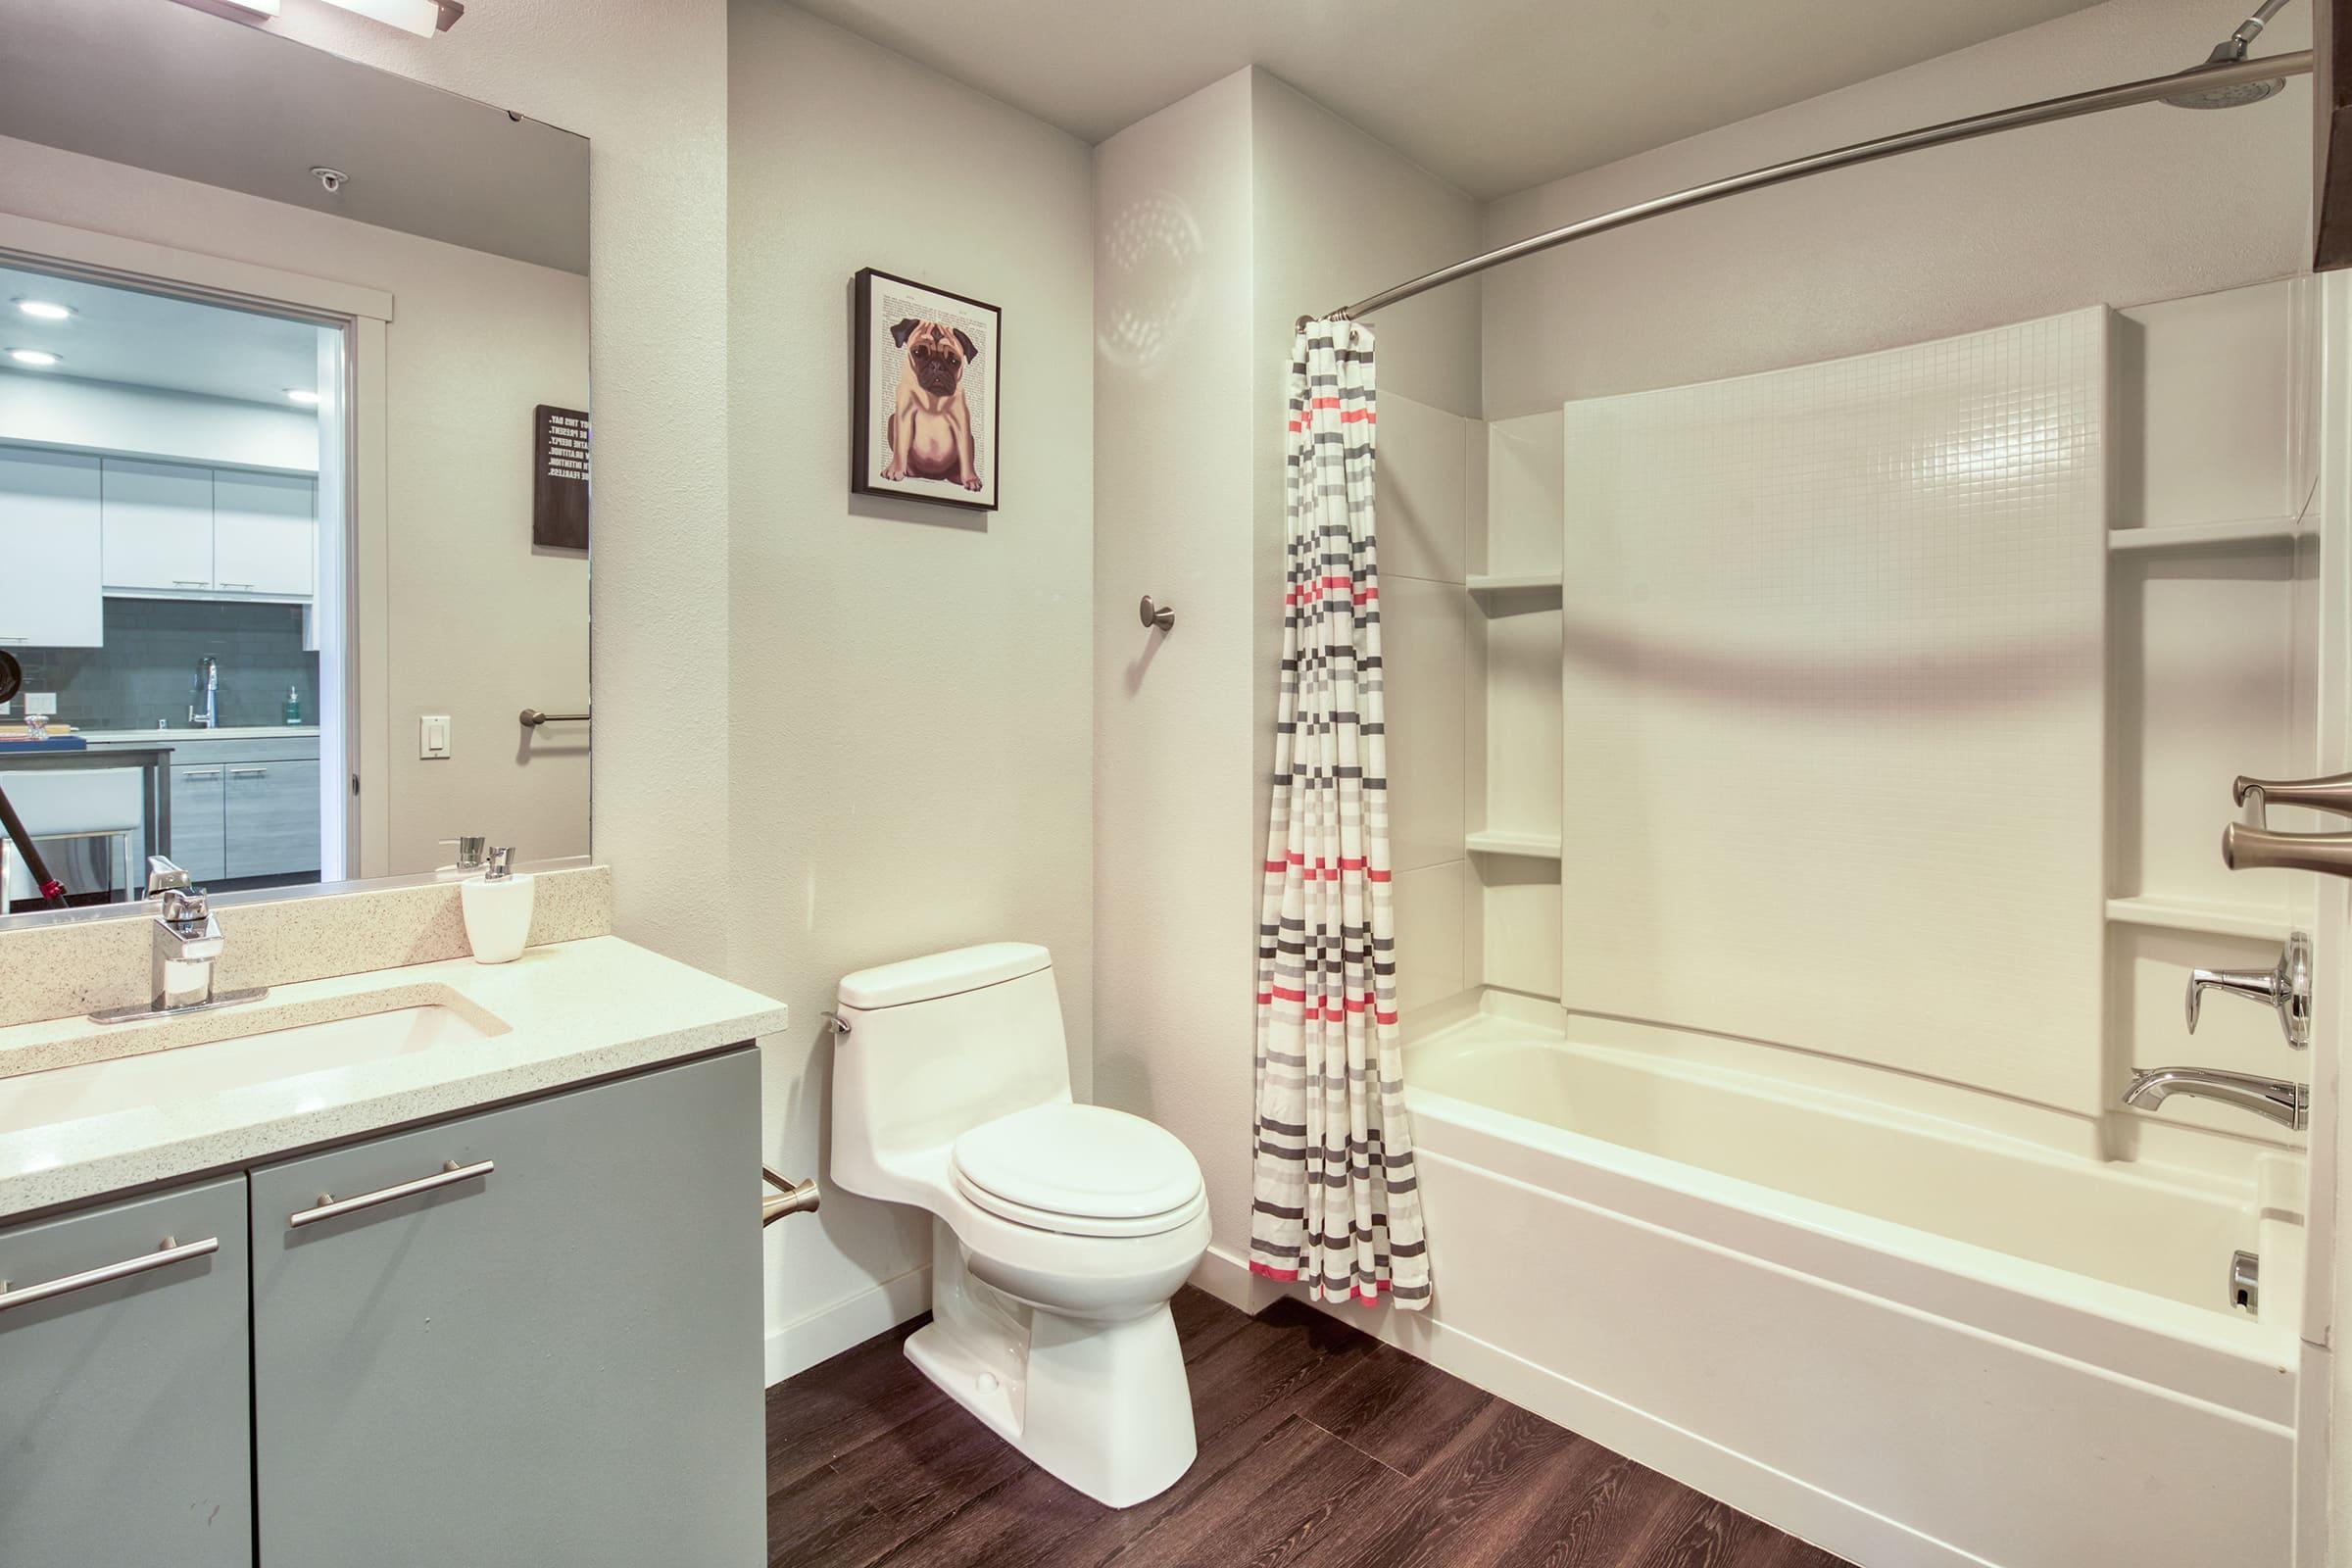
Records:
x=204, y=711
x=2275, y=1098
x=186, y=943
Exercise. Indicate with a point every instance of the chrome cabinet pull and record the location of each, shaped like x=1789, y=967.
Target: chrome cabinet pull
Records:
x=195, y=776
x=247, y=772
x=244, y=585
x=330, y=1207
x=164, y=1256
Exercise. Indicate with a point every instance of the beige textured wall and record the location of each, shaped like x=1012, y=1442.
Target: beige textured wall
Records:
x=1252, y=204
x=908, y=682
x=648, y=85
x=2120, y=208
x=1175, y=891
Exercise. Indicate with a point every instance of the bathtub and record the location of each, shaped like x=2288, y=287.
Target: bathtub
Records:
x=1904, y=1337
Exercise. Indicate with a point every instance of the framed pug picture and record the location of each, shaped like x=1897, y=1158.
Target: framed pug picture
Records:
x=923, y=419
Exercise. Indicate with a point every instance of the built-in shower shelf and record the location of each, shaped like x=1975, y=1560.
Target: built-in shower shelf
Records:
x=1527, y=846
x=2204, y=535
x=2205, y=919
x=1510, y=594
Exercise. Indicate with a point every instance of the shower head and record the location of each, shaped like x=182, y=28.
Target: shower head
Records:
x=2229, y=52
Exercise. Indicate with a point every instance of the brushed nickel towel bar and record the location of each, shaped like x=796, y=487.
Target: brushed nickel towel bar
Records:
x=2205, y=78
x=533, y=718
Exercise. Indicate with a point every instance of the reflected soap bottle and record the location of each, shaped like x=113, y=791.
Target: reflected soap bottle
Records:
x=498, y=909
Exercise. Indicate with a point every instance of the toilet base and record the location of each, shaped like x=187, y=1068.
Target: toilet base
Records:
x=1102, y=1406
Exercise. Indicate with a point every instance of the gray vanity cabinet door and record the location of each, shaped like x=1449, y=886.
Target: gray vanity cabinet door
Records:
x=124, y=1431
x=554, y=1364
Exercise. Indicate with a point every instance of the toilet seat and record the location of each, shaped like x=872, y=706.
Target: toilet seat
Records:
x=1079, y=1171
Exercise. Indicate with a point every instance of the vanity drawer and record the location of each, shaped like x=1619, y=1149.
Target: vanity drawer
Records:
x=124, y=1410
x=536, y=1340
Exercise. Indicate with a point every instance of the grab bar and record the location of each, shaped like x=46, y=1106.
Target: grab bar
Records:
x=533, y=718
x=797, y=1197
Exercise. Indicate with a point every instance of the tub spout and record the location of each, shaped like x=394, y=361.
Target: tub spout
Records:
x=2275, y=1098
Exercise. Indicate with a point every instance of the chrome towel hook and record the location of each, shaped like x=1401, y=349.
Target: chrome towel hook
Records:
x=1160, y=617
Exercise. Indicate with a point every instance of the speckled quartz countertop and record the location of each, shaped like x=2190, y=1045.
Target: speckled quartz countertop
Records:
x=560, y=1014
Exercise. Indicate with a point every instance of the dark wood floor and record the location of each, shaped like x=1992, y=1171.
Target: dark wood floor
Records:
x=1319, y=1447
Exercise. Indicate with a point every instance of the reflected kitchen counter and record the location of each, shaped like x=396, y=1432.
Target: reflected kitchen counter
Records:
x=54, y=816
x=182, y=735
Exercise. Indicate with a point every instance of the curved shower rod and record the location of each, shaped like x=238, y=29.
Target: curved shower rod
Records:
x=2208, y=78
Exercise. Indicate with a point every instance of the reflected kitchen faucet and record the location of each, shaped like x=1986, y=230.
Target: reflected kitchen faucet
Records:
x=204, y=711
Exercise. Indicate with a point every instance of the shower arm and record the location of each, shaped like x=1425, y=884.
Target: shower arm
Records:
x=2211, y=77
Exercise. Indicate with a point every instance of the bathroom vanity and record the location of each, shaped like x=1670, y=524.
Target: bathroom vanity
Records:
x=445, y=1263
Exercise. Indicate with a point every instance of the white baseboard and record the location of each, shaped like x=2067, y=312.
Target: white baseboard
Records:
x=1227, y=1277
x=1829, y=1522
x=829, y=1330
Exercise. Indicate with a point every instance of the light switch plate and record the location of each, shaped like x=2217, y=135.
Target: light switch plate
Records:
x=433, y=740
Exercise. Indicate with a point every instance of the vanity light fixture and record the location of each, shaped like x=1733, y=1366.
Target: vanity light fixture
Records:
x=309, y=399
x=44, y=310
x=238, y=10
x=40, y=358
x=424, y=18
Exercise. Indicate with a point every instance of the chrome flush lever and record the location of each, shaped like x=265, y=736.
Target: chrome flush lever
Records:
x=2287, y=988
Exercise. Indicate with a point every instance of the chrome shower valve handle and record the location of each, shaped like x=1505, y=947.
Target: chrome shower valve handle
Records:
x=2286, y=987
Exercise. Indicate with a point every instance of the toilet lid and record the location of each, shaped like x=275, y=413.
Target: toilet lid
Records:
x=1083, y=1160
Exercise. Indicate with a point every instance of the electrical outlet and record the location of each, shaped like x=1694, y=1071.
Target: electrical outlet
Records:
x=433, y=740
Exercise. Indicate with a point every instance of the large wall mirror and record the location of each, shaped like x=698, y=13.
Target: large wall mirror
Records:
x=294, y=461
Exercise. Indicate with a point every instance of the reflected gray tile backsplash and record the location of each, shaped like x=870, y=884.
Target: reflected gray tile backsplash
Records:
x=147, y=669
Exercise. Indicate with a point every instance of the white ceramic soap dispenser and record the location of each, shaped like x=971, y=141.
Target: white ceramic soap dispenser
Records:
x=498, y=909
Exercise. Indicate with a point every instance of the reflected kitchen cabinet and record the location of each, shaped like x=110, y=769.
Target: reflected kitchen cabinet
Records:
x=199, y=820
x=272, y=818
x=265, y=532
x=49, y=533
x=158, y=525
x=174, y=529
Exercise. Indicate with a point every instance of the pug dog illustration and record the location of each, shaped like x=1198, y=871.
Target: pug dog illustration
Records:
x=931, y=428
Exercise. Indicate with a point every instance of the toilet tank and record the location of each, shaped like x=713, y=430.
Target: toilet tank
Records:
x=936, y=1046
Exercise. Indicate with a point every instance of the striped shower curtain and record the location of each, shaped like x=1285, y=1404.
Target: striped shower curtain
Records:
x=1334, y=1201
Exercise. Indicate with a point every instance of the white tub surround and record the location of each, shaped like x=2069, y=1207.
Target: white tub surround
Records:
x=1906, y=1337
x=563, y=1014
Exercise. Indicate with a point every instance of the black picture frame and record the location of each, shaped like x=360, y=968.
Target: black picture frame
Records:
x=877, y=362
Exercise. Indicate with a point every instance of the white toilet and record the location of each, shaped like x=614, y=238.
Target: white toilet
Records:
x=1059, y=1231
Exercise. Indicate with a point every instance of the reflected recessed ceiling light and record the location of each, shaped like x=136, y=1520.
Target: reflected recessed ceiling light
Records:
x=40, y=357
x=44, y=310
x=298, y=395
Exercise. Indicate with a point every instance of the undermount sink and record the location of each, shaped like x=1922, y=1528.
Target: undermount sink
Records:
x=278, y=1059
